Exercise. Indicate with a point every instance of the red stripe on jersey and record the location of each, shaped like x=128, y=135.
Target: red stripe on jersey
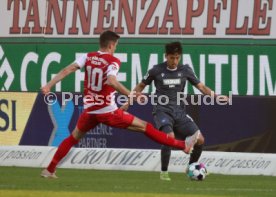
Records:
x=95, y=85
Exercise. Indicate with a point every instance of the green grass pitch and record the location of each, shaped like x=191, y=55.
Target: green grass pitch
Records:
x=26, y=182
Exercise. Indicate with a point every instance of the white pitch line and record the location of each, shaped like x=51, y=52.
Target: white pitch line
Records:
x=231, y=189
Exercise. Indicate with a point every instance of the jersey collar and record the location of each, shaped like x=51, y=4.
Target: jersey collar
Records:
x=171, y=69
x=102, y=53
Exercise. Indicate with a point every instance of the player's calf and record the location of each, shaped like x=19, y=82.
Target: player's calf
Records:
x=190, y=141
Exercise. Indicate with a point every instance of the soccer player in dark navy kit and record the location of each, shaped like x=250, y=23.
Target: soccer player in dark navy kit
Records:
x=170, y=79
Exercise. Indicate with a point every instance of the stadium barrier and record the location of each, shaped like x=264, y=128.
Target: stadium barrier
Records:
x=139, y=160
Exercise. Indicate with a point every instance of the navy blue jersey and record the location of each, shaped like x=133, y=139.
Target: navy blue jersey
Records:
x=170, y=82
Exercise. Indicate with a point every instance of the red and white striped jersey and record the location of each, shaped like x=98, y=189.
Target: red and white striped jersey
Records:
x=99, y=97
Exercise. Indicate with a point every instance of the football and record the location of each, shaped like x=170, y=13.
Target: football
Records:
x=197, y=171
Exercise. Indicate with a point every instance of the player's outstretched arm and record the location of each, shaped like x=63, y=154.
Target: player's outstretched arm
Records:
x=113, y=82
x=139, y=87
x=138, y=91
x=62, y=74
x=207, y=91
x=204, y=89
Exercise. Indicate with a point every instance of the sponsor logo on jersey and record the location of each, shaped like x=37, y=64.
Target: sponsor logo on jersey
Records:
x=97, y=60
x=171, y=81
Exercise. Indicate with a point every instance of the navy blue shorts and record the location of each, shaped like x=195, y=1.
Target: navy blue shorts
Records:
x=179, y=122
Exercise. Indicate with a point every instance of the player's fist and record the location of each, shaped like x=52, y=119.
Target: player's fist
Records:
x=223, y=98
x=125, y=106
x=45, y=89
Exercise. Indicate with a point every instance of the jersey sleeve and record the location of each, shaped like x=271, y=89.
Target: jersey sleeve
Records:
x=192, y=78
x=81, y=61
x=113, y=69
x=148, y=78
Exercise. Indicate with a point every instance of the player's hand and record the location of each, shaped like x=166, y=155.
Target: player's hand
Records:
x=45, y=89
x=125, y=106
x=223, y=98
x=133, y=96
x=139, y=96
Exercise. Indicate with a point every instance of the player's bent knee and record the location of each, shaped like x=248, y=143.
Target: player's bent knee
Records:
x=138, y=125
x=200, y=140
x=167, y=129
x=77, y=134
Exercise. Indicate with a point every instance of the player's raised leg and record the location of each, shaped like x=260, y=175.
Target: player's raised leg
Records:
x=163, y=138
x=121, y=119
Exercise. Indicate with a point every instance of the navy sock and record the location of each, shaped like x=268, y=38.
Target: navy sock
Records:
x=195, y=155
x=165, y=157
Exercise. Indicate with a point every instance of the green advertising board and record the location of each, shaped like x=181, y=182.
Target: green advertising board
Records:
x=228, y=48
x=243, y=69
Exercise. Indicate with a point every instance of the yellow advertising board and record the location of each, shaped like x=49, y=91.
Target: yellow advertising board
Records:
x=15, y=109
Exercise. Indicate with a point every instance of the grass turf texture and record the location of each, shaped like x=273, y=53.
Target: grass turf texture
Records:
x=17, y=182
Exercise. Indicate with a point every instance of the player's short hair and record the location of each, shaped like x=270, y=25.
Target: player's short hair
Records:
x=173, y=47
x=107, y=37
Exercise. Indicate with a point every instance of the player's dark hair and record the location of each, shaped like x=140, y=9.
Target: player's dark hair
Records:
x=173, y=47
x=107, y=37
